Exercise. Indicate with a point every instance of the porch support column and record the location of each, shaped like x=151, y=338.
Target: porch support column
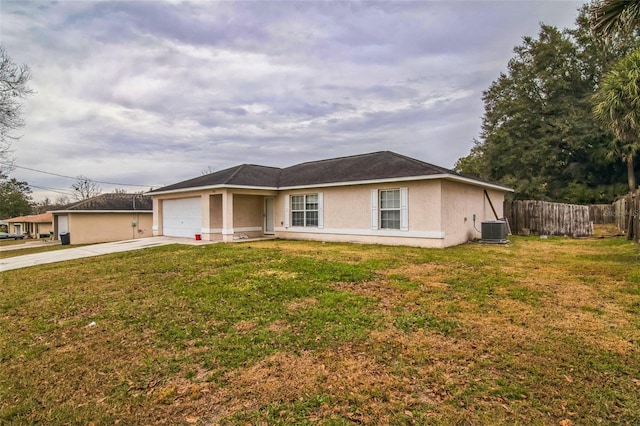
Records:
x=205, y=220
x=155, y=225
x=227, y=216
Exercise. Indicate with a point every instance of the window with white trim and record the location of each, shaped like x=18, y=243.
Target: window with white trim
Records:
x=304, y=210
x=390, y=209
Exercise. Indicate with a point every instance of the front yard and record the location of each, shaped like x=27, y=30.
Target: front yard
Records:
x=279, y=332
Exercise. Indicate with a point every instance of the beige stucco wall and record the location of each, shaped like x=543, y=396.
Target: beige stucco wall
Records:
x=347, y=215
x=459, y=203
x=215, y=211
x=440, y=213
x=44, y=228
x=89, y=228
x=248, y=215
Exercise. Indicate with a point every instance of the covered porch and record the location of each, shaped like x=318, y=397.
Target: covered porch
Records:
x=215, y=215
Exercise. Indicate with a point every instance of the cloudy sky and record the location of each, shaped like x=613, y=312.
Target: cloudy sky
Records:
x=151, y=93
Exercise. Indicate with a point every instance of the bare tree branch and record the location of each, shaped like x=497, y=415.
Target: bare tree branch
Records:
x=85, y=188
x=13, y=89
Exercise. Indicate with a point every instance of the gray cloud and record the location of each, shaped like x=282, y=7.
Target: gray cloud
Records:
x=149, y=92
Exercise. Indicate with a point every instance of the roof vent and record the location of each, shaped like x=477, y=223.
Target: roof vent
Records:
x=494, y=232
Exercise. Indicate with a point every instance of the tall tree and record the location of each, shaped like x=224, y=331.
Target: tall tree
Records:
x=612, y=16
x=13, y=89
x=85, y=188
x=42, y=206
x=15, y=197
x=62, y=201
x=617, y=107
x=538, y=133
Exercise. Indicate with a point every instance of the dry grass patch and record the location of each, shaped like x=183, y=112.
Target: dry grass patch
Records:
x=278, y=326
x=281, y=275
x=298, y=305
x=276, y=332
x=243, y=326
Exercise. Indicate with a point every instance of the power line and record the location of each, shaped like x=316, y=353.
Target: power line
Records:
x=74, y=178
x=56, y=190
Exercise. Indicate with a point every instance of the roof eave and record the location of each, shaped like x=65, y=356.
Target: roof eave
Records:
x=477, y=182
x=209, y=187
x=402, y=179
x=345, y=183
x=57, y=212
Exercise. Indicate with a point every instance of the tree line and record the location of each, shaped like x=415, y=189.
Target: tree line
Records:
x=563, y=122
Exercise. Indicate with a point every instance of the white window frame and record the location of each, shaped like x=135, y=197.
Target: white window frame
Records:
x=384, y=209
x=376, y=209
x=319, y=210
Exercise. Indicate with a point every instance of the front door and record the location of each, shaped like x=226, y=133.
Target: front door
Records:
x=268, y=216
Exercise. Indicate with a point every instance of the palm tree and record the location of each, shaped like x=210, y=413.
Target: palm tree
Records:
x=617, y=107
x=611, y=16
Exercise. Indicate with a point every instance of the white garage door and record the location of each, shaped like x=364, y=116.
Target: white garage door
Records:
x=63, y=225
x=181, y=218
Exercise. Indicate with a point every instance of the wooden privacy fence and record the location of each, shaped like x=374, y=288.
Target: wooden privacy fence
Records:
x=545, y=218
x=626, y=215
x=602, y=214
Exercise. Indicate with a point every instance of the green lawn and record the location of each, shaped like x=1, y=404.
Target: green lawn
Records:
x=26, y=249
x=281, y=332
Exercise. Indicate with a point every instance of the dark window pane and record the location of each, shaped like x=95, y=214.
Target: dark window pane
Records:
x=297, y=202
x=297, y=218
x=390, y=199
x=312, y=219
x=390, y=219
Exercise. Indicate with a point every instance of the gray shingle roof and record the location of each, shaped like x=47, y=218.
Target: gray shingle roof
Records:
x=113, y=202
x=364, y=167
x=242, y=175
x=355, y=168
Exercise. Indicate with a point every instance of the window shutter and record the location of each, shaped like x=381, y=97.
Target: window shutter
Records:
x=287, y=203
x=374, y=209
x=404, y=209
x=320, y=210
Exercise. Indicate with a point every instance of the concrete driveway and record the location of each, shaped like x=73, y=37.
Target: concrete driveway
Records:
x=71, y=253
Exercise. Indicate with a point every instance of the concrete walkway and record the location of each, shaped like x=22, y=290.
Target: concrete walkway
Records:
x=71, y=253
x=29, y=244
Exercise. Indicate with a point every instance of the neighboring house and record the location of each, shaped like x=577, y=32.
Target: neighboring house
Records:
x=34, y=226
x=382, y=197
x=104, y=218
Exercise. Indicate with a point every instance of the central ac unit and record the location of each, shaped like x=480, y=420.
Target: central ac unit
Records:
x=494, y=232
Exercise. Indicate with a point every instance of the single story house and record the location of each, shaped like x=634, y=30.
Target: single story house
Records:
x=105, y=218
x=34, y=226
x=380, y=198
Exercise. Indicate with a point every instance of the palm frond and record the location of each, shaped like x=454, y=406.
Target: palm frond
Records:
x=611, y=16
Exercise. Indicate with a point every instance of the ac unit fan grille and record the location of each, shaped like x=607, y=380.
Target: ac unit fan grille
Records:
x=494, y=232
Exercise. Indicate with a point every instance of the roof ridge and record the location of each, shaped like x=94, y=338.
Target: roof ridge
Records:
x=238, y=168
x=337, y=158
x=77, y=203
x=415, y=160
x=260, y=165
